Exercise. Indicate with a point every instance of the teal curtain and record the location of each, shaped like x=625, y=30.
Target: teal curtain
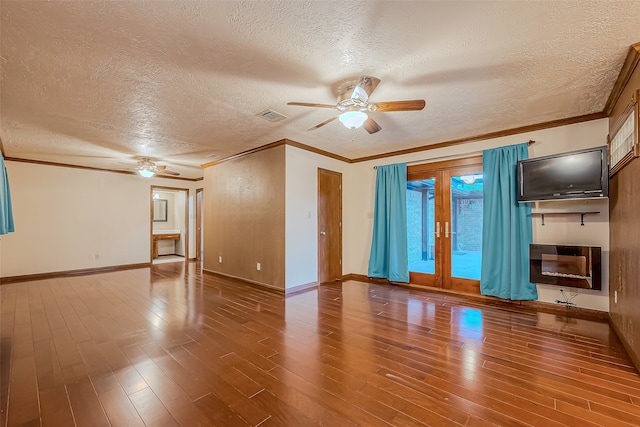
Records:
x=389, y=254
x=6, y=214
x=507, y=231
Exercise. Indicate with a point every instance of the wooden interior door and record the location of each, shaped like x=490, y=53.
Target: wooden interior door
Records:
x=445, y=233
x=329, y=225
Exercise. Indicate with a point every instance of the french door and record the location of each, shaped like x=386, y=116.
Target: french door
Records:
x=444, y=212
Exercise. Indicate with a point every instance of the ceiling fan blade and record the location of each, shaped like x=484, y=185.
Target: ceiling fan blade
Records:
x=371, y=126
x=365, y=86
x=323, y=123
x=164, y=171
x=413, y=105
x=309, y=104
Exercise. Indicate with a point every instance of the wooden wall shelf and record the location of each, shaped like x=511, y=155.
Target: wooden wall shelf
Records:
x=582, y=214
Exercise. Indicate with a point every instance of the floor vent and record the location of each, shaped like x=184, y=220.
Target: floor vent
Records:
x=270, y=115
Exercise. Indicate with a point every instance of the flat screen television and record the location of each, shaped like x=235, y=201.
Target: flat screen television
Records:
x=580, y=174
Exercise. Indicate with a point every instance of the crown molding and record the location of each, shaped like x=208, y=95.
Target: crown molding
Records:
x=628, y=67
x=318, y=151
x=245, y=153
x=68, y=165
x=485, y=136
x=278, y=144
x=465, y=140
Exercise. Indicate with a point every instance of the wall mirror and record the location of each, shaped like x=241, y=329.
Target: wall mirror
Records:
x=160, y=210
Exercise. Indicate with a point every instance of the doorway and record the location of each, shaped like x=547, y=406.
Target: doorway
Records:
x=329, y=225
x=169, y=224
x=444, y=213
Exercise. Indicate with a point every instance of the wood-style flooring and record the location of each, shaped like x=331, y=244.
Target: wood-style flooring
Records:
x=166, y=346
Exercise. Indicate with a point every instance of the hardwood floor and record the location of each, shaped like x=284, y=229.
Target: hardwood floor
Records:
x=167, y=346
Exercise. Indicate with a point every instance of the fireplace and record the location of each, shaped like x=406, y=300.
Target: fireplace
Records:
x=571, y=266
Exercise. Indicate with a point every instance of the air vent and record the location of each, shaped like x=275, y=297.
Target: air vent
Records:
x=270, y=115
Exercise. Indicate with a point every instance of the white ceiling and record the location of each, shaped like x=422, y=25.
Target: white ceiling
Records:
x=103, y=83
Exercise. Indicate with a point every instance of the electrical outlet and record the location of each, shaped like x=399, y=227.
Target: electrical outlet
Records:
x=97, y=256
x=220, y=259
x=92, y=256
x=615, y=297
x=258, y=266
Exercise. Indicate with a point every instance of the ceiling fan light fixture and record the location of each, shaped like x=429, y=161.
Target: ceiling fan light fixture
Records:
x=146, y=173
x=353, y=119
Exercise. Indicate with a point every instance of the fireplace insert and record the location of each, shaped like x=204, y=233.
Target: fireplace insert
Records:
x=570, y=266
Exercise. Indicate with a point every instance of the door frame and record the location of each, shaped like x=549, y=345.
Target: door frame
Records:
x=322, y=274
x=186, y=218
x=442, y=172
x=198, y=229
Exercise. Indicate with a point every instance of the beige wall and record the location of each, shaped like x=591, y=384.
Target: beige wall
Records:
x=301, y=213
x=244, y=217
x=63, y=216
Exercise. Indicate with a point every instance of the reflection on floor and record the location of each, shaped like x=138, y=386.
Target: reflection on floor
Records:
x=464, y=264
x=162, y=259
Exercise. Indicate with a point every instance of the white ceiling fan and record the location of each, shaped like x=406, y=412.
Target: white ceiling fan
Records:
x=353, y=105
x=147, y=169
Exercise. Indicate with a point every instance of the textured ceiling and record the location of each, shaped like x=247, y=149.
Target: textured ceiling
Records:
x=104, y=83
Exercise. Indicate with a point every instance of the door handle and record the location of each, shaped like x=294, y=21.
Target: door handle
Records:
x=446, y=230
x=437, y=232
x=323, y=233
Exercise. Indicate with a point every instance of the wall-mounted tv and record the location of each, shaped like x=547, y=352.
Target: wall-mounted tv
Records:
x=580, y=174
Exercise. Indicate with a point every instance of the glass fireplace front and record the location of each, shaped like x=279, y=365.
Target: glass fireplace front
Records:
x=571, y=266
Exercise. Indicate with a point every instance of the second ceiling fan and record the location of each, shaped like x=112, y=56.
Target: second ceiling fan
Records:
x=353, y=105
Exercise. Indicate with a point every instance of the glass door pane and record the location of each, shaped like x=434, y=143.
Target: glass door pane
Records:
x=421, y=225
x=465, y=227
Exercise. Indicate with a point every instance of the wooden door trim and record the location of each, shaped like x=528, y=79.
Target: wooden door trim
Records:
x=186, y=218
x=415, y=171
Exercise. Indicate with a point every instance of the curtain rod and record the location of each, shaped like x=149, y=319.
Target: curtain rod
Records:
x=454, y=156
